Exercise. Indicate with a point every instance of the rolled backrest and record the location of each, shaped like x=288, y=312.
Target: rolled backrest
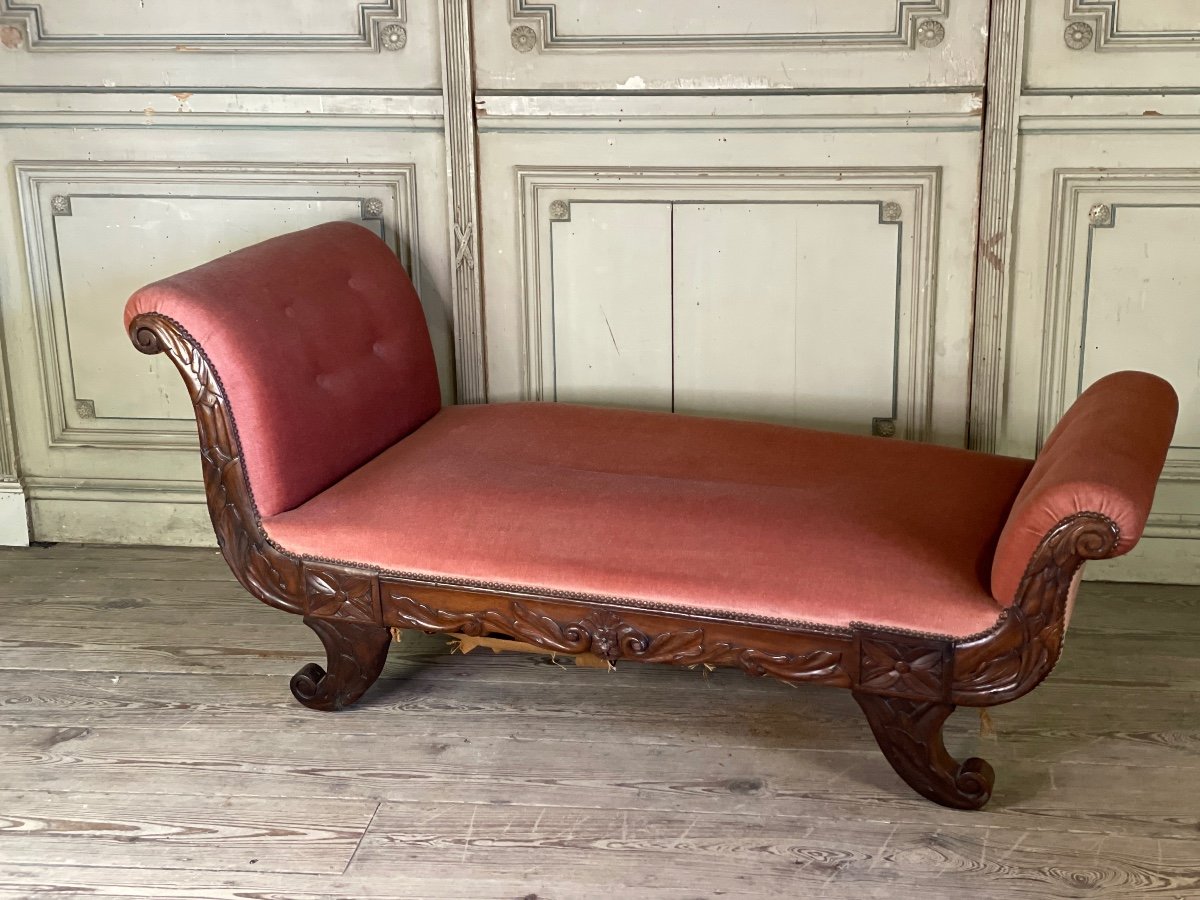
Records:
x=321, y=345
x=1105, y=456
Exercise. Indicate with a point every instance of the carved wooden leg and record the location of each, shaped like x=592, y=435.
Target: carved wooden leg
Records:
x=909, y=733
x=356, y=652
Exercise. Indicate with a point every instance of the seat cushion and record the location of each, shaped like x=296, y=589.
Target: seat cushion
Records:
x=744, y=519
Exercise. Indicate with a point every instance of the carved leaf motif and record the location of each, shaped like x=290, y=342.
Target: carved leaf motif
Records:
x=680, y=647
x=608, y=635
x=909, y=733
x=1012, y=661
x=271, y=576
x=355, y=653
x=788, y=667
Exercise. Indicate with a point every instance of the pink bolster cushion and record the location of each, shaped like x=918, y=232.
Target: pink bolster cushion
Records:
x=1105, y=456
x=321, y=344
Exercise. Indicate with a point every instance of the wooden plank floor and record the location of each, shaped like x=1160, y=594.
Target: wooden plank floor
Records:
x=149, y=747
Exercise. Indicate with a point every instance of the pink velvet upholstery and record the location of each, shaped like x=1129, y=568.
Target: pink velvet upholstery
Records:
x=707, y=514
x=1105, y=456
x=322, y=347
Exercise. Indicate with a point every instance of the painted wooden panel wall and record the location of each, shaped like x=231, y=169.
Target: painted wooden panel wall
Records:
x=321, y=45
x=139, y=139
x=717, y=45
x=762, y=209
x=1106, y=46
x=1106, y=224
x=749, y=237
x=829, y=295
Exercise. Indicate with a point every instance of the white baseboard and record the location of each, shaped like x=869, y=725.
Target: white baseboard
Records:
x=122, y=522
x=14, y=517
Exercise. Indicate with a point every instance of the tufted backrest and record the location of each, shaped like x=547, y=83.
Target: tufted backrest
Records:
x=321, y=345
x=1104, y=456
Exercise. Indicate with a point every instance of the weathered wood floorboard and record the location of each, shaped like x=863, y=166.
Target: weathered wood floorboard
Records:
x=165, y=831
x=150, y=748
x=1058, y=724
x=782, y=783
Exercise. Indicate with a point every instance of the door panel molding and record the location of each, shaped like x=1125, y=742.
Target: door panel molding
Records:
x=370, y=26
x=907, y=199
x=908, y=30
x=1085, y=203
x=713, y=46
x=1104, y=19
x=380, y=197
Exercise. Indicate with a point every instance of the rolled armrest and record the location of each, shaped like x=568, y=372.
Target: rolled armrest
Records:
x=320, y=344
x=1104, y=457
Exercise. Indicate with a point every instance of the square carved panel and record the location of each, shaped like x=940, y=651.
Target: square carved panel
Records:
x=337, y=593
x=900, y=667
x=97, y=231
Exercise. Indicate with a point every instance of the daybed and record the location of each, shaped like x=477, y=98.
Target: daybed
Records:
x=919, y=577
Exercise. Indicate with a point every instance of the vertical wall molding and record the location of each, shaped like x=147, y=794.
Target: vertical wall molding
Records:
x=462, y=149
x=997, y=195
x=8, y=451
x=14, y=519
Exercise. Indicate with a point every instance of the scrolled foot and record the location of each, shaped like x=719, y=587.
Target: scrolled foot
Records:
x=909, y=732
x=355, y=654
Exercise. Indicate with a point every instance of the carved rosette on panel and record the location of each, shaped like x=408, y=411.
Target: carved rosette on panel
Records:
x=339, y=593
x=560, y=211
x=1101, y=215
x=610, y=636
x=1078, y=35
x=1014, y=659
x=524, y=39
x=930, y=33
x=907, y=667
x=393, y=36
x=271, y=576
x=883, y=426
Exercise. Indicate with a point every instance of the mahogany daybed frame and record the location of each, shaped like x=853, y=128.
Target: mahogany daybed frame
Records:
x=907, y=683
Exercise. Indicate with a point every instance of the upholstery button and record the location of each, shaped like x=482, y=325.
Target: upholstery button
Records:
x=323, y=382
x=289, y=311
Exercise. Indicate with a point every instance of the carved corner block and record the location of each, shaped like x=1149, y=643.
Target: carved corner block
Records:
x=340, y=593
x=393, y=36
x=902, y=666
x=930, y=33
x=1079, y=35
